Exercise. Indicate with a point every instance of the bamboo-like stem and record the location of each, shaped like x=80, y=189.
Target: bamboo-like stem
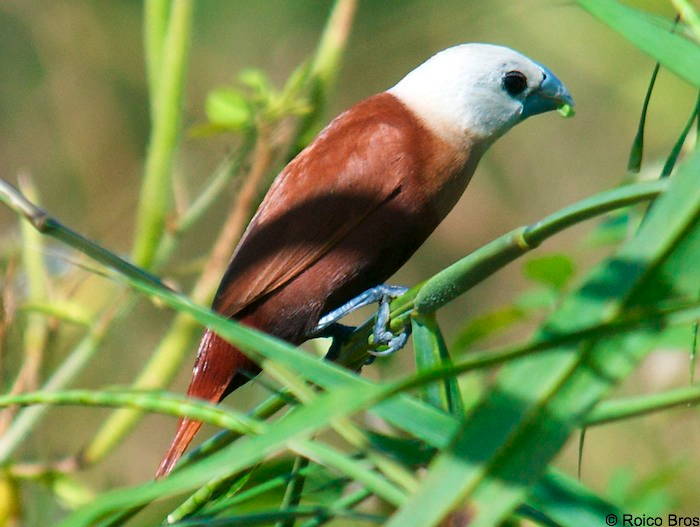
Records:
x=293, y=492
x=677, y=314
x=155, y=25
x=628, y=407
x=162, y=403
x=36, y=333
x=157, y=182
x=326, y=65
x=456, y=279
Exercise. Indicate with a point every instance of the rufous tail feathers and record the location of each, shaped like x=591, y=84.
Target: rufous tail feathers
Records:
x=212, y=379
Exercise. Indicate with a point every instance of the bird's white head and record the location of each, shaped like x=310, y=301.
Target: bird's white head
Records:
x=480, y=90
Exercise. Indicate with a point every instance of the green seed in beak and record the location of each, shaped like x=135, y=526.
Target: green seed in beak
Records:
x=566, y=110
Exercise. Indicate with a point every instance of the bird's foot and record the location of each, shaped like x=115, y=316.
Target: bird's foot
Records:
x=383, y=294
x=383, y=336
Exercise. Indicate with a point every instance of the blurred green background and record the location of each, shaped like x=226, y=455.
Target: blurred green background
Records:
x=73, y=114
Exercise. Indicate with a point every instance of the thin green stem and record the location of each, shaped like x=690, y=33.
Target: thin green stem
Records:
x=678, y=145
x=156, y=190
x=328, y=456
x=679, y=314
x=634, y=163
x=347, y=502
x=689, y=15
x=456, y=279
x=227, y=170
x=163, y=403
x=36, y=332
x=629, y=407
x=49, y=226
x=66, y=372
x=294, y=490
x=155, y=23
x=265, y=518
x=325, y=66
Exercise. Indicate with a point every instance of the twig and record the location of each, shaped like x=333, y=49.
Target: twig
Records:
x=165, y=108
x=36, y=331
x=155, y=29
x=236, y=221
x=48, y=225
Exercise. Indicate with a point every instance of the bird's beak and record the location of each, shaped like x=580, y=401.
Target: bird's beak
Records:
x=550, y=95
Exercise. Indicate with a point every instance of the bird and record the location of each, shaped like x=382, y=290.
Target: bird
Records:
x=352, y=207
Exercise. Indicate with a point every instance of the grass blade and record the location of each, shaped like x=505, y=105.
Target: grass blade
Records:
x=652, y=34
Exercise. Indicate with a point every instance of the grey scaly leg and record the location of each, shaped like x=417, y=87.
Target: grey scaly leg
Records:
x=371, y=296
x=328, y=326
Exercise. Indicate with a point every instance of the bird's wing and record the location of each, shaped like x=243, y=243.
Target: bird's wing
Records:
x=353, y=167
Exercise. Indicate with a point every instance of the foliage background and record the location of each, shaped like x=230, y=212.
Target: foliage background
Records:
x=73, y=114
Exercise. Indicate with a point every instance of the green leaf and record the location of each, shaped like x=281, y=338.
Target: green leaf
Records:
x=256, y=80
x=65, y=310
x=652, y=34
x=553, y=270
x=611, y=231
x=648, y=495
x=431, y=351
x=487, y=325
x=70, y=492
x=569, y=503
x=228, y=108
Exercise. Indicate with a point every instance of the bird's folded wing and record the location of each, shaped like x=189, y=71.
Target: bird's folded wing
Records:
x=354, y=167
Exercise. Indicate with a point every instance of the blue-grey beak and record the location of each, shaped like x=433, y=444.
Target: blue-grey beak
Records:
x=550, y=95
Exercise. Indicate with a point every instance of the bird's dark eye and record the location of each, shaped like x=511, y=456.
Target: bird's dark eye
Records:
x=514, y=82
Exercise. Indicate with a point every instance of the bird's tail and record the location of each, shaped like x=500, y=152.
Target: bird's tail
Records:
x=214, y=377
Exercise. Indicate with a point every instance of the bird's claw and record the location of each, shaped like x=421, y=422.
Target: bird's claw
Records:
x=372, y=295
x=385, y=337
x=384, y=294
